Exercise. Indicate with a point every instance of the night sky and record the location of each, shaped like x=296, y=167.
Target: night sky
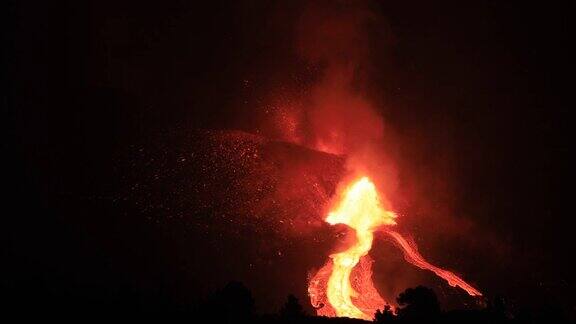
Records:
x=144, y=165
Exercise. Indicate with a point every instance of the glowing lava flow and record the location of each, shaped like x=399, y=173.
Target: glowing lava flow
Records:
x=411, y=255
x=360, y=209
x=341, y=288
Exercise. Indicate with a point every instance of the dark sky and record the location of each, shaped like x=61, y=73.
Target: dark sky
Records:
x=93, y=84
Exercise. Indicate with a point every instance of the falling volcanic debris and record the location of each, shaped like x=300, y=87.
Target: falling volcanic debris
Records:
x=339, y=118
x=333, y=116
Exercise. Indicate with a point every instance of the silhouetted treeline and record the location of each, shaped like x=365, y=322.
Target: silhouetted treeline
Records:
x=235, y=304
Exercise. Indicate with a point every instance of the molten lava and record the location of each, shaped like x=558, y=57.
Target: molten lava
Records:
x=361, y=209
x=411, y=255
x=343, y=287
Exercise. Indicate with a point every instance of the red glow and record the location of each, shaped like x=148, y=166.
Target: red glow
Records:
x=411, y=255
x=344, y=287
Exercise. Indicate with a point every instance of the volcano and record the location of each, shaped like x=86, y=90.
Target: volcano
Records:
x=236, y=184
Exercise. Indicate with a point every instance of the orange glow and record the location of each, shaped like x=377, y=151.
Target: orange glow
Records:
x=361, y=209
x=343, y=287
x=411, y=255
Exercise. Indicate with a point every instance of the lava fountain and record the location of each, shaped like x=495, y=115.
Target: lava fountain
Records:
x=343, y=286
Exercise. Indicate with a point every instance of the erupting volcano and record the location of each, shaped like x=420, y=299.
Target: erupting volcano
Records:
x=344, y=287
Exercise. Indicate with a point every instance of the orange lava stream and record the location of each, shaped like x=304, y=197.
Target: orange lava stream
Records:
x=360, y=208
x=343, y=287
x=411, y=255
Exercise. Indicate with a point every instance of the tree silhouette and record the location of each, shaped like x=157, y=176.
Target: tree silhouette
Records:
x=418, y=304
x=292, y=309
x=385, y=316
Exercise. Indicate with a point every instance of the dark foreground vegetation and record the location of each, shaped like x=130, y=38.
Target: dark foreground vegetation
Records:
x=234, y=304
